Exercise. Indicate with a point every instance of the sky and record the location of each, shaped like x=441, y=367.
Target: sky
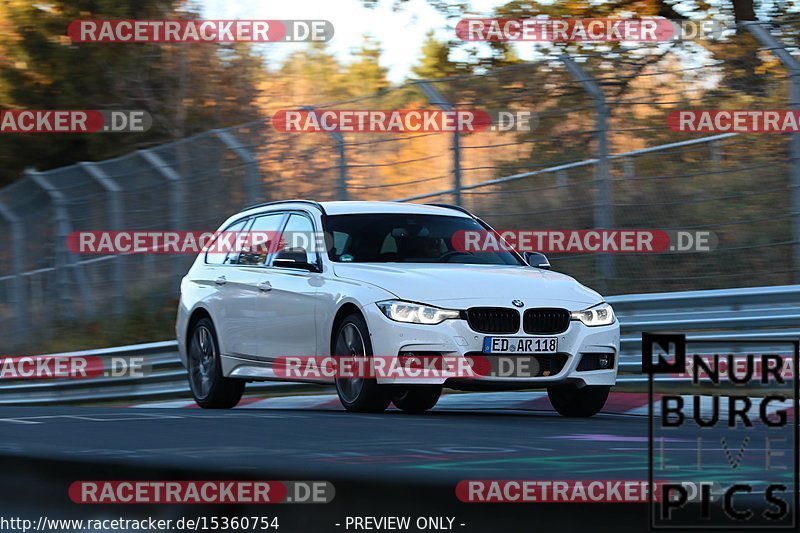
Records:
x=401, y=34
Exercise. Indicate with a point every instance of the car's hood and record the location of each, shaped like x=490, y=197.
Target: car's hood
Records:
x=472, y=284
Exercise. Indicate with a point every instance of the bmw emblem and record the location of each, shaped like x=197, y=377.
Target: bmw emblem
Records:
x=518, y=303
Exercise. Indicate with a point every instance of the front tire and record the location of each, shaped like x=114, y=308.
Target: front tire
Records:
x=569, y=400
x=416, y=399
x=358, y=394
x=211, y=390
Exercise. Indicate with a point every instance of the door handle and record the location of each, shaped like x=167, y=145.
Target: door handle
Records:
x=265, y=286
x=221, y=280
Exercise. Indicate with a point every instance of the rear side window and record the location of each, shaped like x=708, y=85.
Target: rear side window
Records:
x=218, y=256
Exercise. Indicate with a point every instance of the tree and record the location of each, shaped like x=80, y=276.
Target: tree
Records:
x=365, y=75
x=308, y=76
x=435, y=61
x=186, y=87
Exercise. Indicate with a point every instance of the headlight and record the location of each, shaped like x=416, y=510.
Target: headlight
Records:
x=599, y=315
x=416, y=313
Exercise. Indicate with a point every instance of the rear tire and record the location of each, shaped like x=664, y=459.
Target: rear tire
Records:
x=416, y=399
x=569, y=400
x=211, y=390
x=361, y=395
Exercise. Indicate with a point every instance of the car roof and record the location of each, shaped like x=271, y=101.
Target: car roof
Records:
x=352, y=208
x=359, y=207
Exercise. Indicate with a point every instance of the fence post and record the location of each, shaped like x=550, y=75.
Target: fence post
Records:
x=562, y=178
x=762, y=34
x=342, y=195
x=437, y=98
x=251, y=165
x=342, y=192
x=115, y=220
x=64, y=262
x=19, y=302
x=628, y=168
x=603, y=214
x=176, y=197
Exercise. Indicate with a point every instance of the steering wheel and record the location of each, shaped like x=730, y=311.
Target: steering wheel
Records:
x=452, y=253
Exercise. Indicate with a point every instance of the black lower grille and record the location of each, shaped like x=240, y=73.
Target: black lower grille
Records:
x=550, y=365
x=546, y=321
x=542, y=365
x=493, y=319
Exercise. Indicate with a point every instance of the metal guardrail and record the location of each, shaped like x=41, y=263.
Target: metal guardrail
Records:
x=763, y=313
x=753, y=313
x=165, y=378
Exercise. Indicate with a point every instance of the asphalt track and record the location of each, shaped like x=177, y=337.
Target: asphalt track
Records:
x=380, y=463
x=439, y=447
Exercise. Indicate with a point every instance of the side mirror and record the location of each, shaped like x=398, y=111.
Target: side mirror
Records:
x=293, y=258
x=537, y=260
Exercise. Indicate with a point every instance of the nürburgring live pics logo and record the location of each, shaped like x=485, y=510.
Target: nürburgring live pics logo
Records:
x=725, y=424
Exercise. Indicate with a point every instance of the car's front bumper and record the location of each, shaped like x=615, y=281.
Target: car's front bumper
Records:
x=454, y=338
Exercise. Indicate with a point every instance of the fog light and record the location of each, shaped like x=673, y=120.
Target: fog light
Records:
x=595, y=361
x=421, y=360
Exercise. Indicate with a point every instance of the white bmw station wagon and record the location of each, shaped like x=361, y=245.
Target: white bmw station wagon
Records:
x=388, y=280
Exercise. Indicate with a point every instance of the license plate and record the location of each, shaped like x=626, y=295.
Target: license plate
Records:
x=494, y=345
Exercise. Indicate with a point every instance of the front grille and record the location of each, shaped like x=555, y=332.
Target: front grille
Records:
x=546, y=321
x=493, y=319
x=489, y=365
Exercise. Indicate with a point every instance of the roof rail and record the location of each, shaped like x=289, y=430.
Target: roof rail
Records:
x=451, y=206
x=311, y=202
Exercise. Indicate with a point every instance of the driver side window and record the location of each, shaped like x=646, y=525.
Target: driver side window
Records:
x=298, y=235
x=263, y=238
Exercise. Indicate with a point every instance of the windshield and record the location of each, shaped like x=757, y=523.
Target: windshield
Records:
x=406, y=238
